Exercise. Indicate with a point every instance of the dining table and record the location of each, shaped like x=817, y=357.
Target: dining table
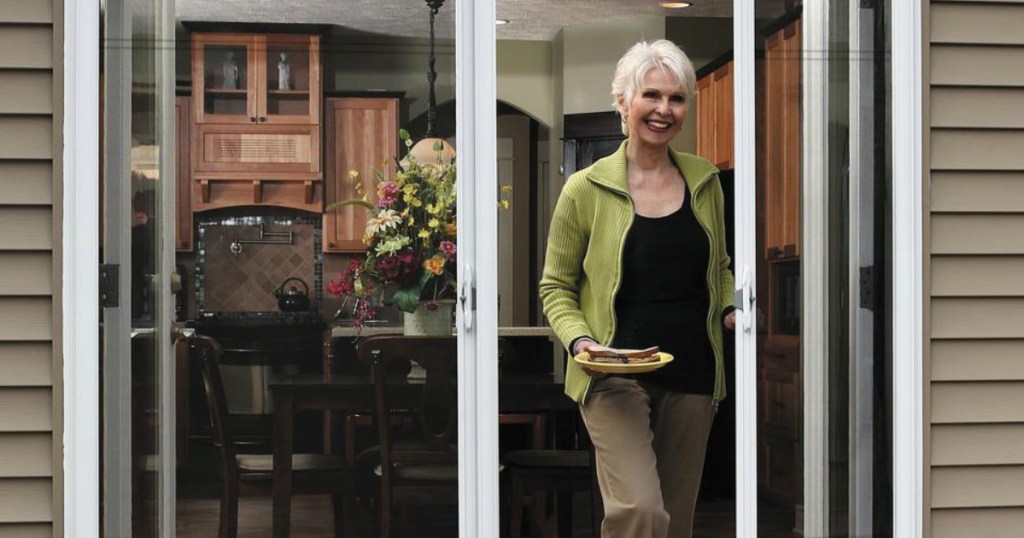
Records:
x=517, y=393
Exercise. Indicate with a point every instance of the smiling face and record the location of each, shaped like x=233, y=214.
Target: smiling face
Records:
x=655, y=113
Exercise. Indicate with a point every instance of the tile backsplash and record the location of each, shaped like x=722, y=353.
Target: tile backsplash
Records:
x=230, y=279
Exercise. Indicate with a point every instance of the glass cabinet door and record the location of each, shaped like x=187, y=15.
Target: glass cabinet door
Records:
x=224, y=64
x=289, y=79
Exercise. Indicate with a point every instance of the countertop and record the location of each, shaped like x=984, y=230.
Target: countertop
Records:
x=341, y=331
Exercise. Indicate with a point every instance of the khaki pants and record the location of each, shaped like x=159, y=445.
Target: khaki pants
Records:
x=649, y=474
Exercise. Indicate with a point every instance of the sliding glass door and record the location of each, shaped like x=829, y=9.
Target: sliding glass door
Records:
x=813, y=368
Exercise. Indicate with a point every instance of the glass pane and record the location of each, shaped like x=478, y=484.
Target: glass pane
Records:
x=226, y=79
x=271, y=281
x=551, y=135
x=288, y=77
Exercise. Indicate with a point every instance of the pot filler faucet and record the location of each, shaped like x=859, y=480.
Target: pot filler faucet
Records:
x=286, y=239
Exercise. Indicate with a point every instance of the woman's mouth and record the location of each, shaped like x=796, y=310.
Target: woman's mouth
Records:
x=658, y=125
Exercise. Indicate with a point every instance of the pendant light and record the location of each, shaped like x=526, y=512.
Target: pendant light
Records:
x=425, y=150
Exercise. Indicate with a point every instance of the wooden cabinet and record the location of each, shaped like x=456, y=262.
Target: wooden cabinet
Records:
x=256, y=121
x=361, y=135
x=779, y=419
x=715, y=116
x=782, y=104
x=183, y=172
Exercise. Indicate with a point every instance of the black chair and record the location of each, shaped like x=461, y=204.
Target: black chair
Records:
x=313, y=473
x=417, y=468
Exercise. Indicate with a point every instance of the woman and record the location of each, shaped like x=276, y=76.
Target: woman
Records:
x=636, y=257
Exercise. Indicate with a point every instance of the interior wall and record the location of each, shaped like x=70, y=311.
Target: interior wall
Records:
x=590, y=53
x=524, y=73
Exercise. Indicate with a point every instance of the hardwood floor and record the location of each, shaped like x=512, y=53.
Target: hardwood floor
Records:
x=311, y=518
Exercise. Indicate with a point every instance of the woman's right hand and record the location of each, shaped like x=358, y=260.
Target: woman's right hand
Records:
x=584, y=345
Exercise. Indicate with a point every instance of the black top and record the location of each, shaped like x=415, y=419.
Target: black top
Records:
x=663, y=299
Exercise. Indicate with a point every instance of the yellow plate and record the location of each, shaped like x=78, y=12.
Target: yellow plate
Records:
x=583, y=359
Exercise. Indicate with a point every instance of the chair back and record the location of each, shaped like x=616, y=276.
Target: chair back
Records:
x=431, y=402
x=209, y=353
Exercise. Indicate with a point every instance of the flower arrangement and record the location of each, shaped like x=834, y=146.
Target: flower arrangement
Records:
x=410, y=237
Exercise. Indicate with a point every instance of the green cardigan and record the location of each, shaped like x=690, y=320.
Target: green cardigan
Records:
x=583, y=266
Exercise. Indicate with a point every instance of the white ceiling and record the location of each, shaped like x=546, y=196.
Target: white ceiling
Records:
x=530, y=19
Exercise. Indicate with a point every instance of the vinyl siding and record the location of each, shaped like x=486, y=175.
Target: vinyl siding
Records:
x=30, y=116
x=975, y=95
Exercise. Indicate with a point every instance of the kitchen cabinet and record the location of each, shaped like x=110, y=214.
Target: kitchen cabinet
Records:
x=256, y=132
x=183, y=173
x=361, y=136
x=714, y=105
x=782, y=142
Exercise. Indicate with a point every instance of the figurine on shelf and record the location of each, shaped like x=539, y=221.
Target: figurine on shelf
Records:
x=284, y=73
x=229, y=71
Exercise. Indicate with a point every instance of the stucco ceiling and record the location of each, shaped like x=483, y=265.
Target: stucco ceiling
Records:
x=529, y=19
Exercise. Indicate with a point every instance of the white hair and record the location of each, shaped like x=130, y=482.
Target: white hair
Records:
x=640, y=59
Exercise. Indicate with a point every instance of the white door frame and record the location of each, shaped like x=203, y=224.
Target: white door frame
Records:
x=477, y=319
x=908, y=341
x=745, y=246
x=814, y=210
x=79, y=248
x=861, y=240
x=479, y=514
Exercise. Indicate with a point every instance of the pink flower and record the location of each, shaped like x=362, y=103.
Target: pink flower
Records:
x=449, y=249
x=387, y=194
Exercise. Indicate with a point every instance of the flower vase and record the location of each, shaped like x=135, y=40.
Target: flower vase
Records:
x=431, y=318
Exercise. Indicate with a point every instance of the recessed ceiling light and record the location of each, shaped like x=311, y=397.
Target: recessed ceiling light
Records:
x=501, y=22
x=674, y=5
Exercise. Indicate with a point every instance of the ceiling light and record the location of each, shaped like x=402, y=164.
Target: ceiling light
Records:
x=500, y=22
x=674, y=5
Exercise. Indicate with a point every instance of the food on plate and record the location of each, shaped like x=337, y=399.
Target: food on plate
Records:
x=623, y=356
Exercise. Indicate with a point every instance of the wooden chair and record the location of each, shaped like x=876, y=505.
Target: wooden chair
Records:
x=532, y=473
x=313, y=473
x=420, y=469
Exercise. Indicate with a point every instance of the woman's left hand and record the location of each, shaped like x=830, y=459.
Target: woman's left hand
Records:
x=730, y=321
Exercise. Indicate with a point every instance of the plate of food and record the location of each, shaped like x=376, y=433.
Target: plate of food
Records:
x=623, y=361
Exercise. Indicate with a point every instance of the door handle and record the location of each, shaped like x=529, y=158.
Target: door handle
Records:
x=467, y=296
x=743, y=300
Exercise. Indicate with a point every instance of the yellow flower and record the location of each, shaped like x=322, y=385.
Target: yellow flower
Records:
x=424, y=234
x=353, y=174
x=434, y=223
x=503, y=204
x=506, y=188
x=435, y=265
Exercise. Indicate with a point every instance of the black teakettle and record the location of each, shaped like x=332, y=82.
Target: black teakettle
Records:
x=292, y=300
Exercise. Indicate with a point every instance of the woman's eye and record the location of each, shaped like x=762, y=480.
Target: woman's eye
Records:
x=678, y=99
x=650, y=95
